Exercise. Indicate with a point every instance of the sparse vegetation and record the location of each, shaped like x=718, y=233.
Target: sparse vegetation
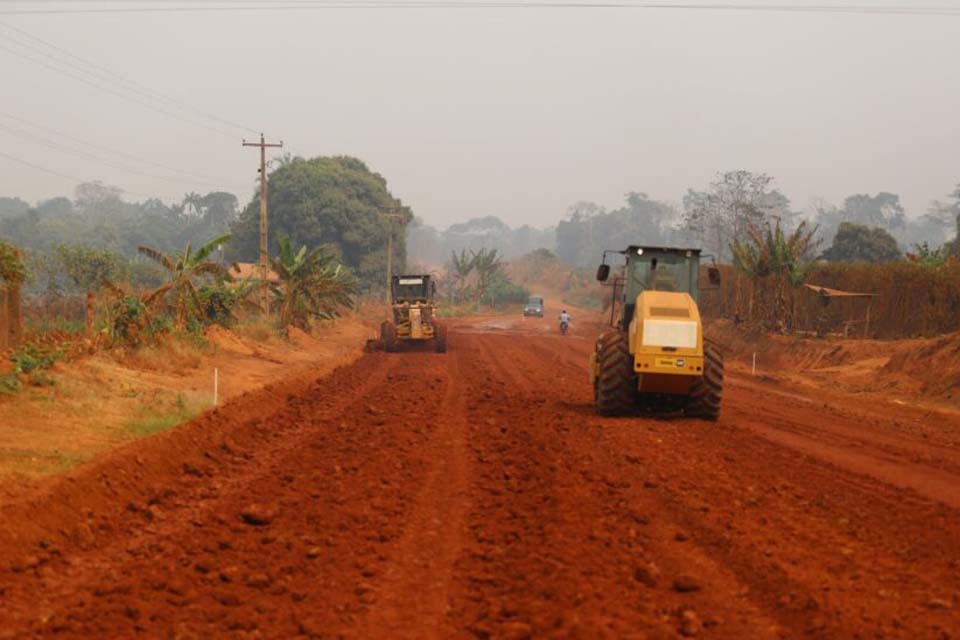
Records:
x=28, y=365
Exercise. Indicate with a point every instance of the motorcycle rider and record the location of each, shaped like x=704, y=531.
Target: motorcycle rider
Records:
x=564, y=320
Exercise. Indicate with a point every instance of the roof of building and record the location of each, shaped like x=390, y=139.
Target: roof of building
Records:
x=837, y=293
x=251, y=271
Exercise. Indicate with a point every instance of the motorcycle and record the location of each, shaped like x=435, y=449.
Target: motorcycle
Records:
x=563, y=327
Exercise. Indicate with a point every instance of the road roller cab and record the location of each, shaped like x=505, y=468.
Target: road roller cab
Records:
x=655, y=355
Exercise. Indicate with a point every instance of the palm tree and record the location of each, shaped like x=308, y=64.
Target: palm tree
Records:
x=487, y=263
x=182, y=270
x=461, y=266
x=311, y=285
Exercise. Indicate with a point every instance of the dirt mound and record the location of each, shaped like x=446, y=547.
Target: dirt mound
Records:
x=301, y=338
x=789, y=352
x=921, y=368
x=932, y=366
x=227, y=340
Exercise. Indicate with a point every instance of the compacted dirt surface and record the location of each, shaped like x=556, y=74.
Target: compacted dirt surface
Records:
x=474, y=494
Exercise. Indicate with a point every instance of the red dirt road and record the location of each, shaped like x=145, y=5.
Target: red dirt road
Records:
x=475, y=495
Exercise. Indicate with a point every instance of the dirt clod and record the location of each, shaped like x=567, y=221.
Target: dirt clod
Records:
x=939, y=604
x=686, y=583
x=690, y=624
x=647, y=575
x=259, y=514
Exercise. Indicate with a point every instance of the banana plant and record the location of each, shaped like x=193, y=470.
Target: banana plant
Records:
x=310, y=284
x=183, y=270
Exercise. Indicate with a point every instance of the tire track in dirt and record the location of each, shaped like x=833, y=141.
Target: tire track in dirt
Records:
x=676, y=586
x=822, y=550
x=414, y=590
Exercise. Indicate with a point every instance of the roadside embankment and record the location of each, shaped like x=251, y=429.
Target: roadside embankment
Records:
x=922, y=370
x=95, y=403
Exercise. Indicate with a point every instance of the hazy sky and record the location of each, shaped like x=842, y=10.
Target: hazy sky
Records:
x=511, y=112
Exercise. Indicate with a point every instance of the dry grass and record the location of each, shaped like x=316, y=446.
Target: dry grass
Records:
x=109, y=398
x=912, y=300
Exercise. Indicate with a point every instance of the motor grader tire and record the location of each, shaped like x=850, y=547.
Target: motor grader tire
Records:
x=388, y=335
x=615, y=389
x=440, y=338
x=706, y=393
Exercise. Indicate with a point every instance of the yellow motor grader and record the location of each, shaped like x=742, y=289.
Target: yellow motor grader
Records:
x=655, y=357
x=413, y=314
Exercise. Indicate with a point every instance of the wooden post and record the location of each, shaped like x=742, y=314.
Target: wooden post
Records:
x=90, y=314
x=866, y=326
x=264, y=250
x=4, y=322
x=14, y=320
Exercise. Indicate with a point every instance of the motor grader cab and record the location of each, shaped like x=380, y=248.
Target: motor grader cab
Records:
x=655, y=357
x=413, y=314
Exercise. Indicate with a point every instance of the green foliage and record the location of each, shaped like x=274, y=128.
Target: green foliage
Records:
x=218, y=302
x=128, y=319
x=312, y=285
x=12, y=268
x=500, y=290
x=337, y=201
x=31, y=360
x=860, y=243
x=932, y=258
x=31, y=357
x=100, y=217
x=88, y=268
x=182, y=272
x=130, y=322
x=768, y=251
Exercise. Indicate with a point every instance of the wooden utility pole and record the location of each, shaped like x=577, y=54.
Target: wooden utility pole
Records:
x=391, y=214
x=264, y=249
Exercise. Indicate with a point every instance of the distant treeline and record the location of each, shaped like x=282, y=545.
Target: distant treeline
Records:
x=715, y=216
x=334, y=203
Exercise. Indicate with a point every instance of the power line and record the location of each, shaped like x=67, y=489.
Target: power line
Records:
x=97, y=145
x=38, y=167
x=311, y=5
x=110, y=76
x=86, y=154
x=119, y=94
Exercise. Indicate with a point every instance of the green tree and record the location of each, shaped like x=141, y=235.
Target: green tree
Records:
x=860, y=243
x=312, y=285
x=335, y=202
x=88, y=269
x=183, y=271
